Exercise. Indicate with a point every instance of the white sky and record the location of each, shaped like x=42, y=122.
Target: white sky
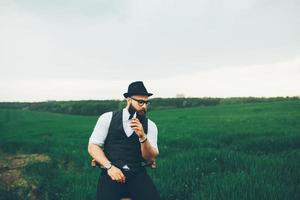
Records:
x=92, y=49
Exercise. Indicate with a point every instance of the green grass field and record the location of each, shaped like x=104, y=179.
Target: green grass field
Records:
x=239, y=151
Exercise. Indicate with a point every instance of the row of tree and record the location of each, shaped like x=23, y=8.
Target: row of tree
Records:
x=97, y=107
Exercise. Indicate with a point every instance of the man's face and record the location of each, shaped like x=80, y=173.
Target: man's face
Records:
x=139, y=103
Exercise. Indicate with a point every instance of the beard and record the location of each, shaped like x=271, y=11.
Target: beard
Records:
x=140, y=114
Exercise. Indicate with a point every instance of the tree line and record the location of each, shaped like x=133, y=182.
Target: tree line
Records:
x=97, y=107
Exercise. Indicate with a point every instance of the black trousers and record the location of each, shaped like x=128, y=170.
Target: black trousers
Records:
x=138, y=186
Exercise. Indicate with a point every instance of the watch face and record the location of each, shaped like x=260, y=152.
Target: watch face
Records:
x=107, y=165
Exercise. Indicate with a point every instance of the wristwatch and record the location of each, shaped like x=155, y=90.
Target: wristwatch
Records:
x=143, y=140
x=107, y=165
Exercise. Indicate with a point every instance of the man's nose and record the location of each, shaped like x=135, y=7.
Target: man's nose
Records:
x=144, y=105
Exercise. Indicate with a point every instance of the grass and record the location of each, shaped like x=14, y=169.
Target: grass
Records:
x=239, y=151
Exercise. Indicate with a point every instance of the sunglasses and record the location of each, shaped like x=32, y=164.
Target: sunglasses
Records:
x=141, y=102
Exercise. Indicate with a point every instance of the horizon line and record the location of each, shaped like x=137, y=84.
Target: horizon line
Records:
x=188, y=97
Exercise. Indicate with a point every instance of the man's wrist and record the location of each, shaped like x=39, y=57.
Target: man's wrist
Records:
x=143, y=139
x=107, y=165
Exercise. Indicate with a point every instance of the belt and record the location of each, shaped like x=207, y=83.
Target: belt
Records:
x=129, y=166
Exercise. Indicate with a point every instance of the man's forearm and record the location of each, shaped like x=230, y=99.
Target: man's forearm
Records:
x=97, y=153
x=148, y=152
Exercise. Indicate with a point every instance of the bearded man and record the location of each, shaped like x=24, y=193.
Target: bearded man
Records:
x=123, y=142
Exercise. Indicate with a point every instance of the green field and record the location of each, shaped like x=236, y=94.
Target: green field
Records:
x=238, y=151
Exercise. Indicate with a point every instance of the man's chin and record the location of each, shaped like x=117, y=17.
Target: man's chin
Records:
x=141, y=113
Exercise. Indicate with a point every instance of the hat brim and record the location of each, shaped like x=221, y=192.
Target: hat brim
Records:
x=131, y=94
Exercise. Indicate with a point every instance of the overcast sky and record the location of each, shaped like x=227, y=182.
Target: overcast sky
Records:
x=92, y=49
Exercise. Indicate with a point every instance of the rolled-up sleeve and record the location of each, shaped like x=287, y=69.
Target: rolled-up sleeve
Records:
x=100, y=131
x=152, y=134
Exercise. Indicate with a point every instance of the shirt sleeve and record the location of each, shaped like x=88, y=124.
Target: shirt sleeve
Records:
x=100, y=131
x=152, y=134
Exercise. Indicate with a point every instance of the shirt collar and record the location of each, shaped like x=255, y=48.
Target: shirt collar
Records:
x=125, y=114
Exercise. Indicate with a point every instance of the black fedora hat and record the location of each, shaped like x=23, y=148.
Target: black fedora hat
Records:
x=137, y=88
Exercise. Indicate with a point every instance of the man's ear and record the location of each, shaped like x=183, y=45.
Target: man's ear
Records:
x=128, y=101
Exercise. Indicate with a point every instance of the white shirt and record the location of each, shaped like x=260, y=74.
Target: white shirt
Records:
x=100, y=131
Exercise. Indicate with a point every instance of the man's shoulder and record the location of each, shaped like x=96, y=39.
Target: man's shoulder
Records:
x=151, y=123
x=110, y=114
x=106, y=115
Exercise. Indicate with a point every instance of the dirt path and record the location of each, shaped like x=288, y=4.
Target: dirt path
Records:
x=11, y=177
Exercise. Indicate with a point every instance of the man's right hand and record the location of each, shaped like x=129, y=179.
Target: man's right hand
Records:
x=116, y=174
x=153, y=164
